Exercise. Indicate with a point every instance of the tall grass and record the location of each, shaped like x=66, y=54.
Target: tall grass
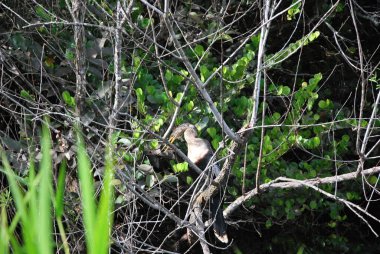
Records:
x=35, y=203
x=97, y=219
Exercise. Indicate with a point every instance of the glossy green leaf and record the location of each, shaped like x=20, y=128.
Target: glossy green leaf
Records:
x=181, y=167
x=372, y=180
x=199, y=50
x=190, y=106
x=68, y=99
x=211, y=131
x=168, y=75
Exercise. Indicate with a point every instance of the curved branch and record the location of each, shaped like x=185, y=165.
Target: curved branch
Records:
x=285, y=183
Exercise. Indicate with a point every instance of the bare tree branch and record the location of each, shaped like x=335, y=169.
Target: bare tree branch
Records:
x=283, y=183
x=78, y=11
x=197, y=82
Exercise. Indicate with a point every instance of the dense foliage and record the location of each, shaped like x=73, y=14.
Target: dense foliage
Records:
x=302, y=86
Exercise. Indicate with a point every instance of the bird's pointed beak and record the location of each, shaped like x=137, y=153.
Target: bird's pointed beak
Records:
x=171, y=140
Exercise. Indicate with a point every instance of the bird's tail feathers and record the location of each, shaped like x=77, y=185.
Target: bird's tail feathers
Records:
x=220, y=227
x=221, y=237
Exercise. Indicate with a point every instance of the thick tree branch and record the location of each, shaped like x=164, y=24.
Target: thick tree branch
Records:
x=285, y=184
x=78, y=11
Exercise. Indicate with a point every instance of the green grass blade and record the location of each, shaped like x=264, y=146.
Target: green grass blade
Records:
x=4, y=237
x=16, y=247
x=31, y=198
x=87, y=193
x=63, y=235
x=105, y=215
x=59, y=202
x=44, y=229
x=17, y=178
x=27, y=230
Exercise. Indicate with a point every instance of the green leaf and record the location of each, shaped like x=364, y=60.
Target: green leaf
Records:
x=276, y=116
x=351, y=195
x=168, y=75
x=315, y=142
x=313, y=82
x=322, y=104
x=215, y=142
x=225, y=37
x=312, y=173
x=313, y=36
x=332, y=224
x=69, y=54
x=340, y=7
x=211, y=131
x=140, y=100
x=301, y=249
x=149, y=181
x=325, y=104
x=250, y=78
x=68, y=99
x=286, y=90
x=199, y=50
x=154, y=144
x=157, y=125
x=177, y=79
x=293, y=11
x=184, y=73
x=313, y=205
x=372, y=180
x=283, y=90
x=189, y=180
x=143, y=22
x=233, y=191
x=178, y=97
x=255, y=41
x=26, y=95
x=190, y=106
x=125, y=142
x=42, y=13
x=19, y=41
x=329, y=104
x=345, y=138
x=204, y=73
x=181, y=167
x=268, y=223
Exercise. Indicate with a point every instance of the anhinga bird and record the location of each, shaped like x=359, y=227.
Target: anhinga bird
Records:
x=200, y=153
